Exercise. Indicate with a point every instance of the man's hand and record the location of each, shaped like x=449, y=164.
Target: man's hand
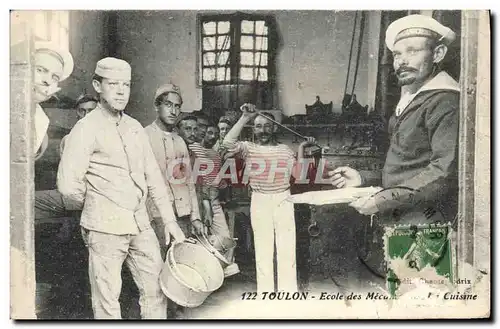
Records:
x=365, y=206
x=249, y=110
x=198, y=227
x=308, y=142
x=174, y=229
x=345, y=177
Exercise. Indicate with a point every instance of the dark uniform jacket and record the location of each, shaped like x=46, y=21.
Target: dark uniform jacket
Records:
x=423, y=152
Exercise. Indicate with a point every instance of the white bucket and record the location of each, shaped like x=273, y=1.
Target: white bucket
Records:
x=190, y=274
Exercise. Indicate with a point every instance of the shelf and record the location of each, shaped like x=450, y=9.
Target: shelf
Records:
x=329, y=125
x=326, y=125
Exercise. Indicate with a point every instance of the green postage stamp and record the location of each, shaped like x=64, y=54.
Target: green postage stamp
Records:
x=419, y=254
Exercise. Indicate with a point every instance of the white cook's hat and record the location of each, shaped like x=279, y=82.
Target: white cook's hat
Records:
x=63, y=55
x=417, y=26
x=114, y=68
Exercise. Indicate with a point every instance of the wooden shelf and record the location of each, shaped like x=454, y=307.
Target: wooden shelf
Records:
x=326, y=125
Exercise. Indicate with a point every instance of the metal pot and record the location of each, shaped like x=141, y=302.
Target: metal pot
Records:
x=190, y=274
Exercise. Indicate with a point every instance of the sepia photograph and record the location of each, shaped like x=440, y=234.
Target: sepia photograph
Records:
x=250, y=164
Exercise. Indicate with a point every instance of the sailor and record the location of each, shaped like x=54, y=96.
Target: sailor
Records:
x=422, y=158
x=52, y=66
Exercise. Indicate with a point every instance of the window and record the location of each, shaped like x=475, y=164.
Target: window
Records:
x=216, y=48
x=253, y=54
x=235, y=48
x=52, y=26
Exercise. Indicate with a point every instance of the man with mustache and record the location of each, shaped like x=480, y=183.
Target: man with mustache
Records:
x=269, y=167
x=207, y=165
x=173, y=158
x=52, y=66
x=108, y=169
x=422, y=157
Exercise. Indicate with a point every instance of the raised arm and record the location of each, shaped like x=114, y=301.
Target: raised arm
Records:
x=249, y=112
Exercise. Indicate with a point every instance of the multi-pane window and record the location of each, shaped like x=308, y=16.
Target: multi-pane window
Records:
x=253, y=54
x=234, y=49
x=216, y=50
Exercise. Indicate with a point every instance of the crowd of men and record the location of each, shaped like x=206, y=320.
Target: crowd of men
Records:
x=135, y=187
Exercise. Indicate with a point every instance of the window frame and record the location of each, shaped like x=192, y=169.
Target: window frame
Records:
x=235, y=33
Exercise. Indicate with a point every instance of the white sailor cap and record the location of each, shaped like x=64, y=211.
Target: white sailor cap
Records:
x=63, y=55
x=114, y=68
x=417, y=26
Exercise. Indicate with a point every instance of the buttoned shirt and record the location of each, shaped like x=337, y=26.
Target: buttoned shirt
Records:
x=108, y=169
x=172, y=156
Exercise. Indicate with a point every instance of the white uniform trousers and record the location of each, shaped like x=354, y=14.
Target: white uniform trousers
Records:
x=273, y=223
x=141, y=253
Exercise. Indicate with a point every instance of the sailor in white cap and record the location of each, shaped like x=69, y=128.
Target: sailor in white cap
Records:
x=108, y=169
x=422, y=156
x=52, y=66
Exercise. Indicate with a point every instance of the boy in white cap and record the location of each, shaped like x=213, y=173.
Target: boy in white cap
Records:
x=49, y=203
x=422, y=156
x=52, y=66
x=109, y=170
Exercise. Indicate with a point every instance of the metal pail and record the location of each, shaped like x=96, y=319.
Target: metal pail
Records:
x=190, y=274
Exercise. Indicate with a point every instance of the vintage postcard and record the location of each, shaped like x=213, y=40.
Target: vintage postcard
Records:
x=252, y=164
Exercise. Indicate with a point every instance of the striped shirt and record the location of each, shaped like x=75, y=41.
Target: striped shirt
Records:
x=207, y=164
x=268, y=168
